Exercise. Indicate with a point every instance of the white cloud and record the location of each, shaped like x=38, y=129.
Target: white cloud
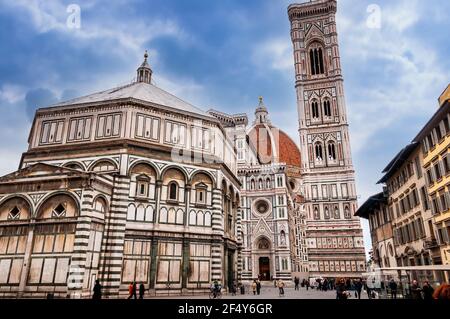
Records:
x=275, y=53
x=12, y=93
x=46, y=16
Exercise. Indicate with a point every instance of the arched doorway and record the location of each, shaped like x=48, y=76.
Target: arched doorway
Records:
x=264, y=268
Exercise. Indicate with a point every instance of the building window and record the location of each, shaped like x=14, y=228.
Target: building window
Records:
x=14, y=213
x=315, y=110
x=331, y=152
x=437, y=171
x=200, y=191
x=173, y=191
x=142, y=186
x=316, y=61
x=59, y=211
x=327, y=108
x=319, y=152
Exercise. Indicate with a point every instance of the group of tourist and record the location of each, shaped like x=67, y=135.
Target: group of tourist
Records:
x=341, y=285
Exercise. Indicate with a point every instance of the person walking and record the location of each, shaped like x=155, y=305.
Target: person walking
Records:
x=97, y=290
x=325, y=285
x=141, y=291
x=132, y=290
x=393, y=288
x=258, y=287
x=296, y=282
x=427, y=291
x=340, y=290
x=358, y=288
x=254, y=286
x=307, y=285
x=416, y=291
x=281, y=287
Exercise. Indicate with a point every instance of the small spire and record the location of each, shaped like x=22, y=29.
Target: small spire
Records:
x=261, y=113
x=144, y=72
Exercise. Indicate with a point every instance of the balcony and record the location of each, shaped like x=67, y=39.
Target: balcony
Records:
x=430, y=243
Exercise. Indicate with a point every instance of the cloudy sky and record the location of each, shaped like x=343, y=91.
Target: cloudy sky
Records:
x=223, y=54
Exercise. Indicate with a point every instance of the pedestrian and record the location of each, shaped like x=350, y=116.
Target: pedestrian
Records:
x=358, y=288
x=132, y=290
x=427, y=291
x=141, y=291
x=393, y=288
x=325, y=285
x=307, y=285
x=258, y=287
x=281, y=287
x=97, y=290
x=340, y=290
x=416, y=291
x=254, y=285
x=234, y=288
x=296, y=282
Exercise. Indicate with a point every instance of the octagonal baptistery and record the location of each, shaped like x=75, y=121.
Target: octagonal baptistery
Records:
x=104, y=193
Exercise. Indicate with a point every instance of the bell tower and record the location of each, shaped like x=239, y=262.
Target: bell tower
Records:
x=334, y=234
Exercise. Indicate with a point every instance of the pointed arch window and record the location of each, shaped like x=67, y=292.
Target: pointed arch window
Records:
x=327, y=108
x=173, y=191
x=315, y=110
x=319, y=152
x=316, y=61
x=331, y=151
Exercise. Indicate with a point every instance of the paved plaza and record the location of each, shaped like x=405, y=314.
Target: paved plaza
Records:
x=272, y=293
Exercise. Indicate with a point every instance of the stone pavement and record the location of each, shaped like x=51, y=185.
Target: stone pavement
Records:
x=272, y=293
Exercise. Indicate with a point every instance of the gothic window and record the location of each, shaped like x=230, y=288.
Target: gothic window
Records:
x=315, y=110
x=268, y=183
x=173, y=191
x=316, y=61
x=252, y=185
x=331, y=151
x=319, y=152
x=59, y=211
x=327, y=108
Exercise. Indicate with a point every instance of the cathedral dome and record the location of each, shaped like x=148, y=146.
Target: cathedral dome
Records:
x=271, y=144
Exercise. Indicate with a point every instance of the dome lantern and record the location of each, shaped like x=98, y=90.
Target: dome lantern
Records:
x=144, y=72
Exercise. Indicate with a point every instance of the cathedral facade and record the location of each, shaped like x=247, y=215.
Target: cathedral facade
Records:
x=133, y=184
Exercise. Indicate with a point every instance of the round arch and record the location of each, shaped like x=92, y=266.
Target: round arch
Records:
x=108, y=160
x=177, y=168
x=213, y=180
x=53, y=194
x=27, y=200
x=145, y=162
x=74, y=163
